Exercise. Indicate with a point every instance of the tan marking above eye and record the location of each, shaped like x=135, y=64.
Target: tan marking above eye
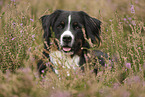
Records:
x=62, y=22
x=75, y=23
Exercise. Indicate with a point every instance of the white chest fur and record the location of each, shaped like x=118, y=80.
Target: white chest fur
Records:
x=59, y=58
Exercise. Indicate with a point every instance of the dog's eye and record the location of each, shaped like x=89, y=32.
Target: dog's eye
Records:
x=61, y=25
x=76, y=26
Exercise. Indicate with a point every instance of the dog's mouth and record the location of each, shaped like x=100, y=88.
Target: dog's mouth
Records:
x=67, y=50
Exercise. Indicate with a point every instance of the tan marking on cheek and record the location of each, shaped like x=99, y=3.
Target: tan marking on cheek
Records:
x=79, y=51
x=62, y=22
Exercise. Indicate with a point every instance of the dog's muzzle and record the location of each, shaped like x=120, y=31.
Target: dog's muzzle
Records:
x=66, y=41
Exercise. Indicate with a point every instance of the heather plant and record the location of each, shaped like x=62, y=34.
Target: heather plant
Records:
x=16, y=38
x=123, y=39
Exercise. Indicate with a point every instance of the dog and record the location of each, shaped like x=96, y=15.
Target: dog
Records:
x=68, y=36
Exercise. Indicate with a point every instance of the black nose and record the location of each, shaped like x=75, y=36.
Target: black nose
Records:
x=67, y=39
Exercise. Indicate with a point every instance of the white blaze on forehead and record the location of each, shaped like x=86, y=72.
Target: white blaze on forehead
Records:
x=69, y=20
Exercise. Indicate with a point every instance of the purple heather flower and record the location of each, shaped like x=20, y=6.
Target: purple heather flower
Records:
x=133, y=23
x=128, y=65
x=13, y=0
x=132, y=9
x=21, y=31
x=29, y=49
x=124, y=19
x=13, y=38
x=43, y=78
x=106, y=65
x=129, y=18
x=42, y=71
x=35, y=48
x=110, y=20
x=33, y=36
x=21, y=24
x=92, y=70
x=47, y=64
x=32, y=20
x=140, y=69
x=109, y=67
x=53, y=88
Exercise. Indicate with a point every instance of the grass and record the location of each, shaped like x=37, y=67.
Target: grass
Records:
x=21, y=47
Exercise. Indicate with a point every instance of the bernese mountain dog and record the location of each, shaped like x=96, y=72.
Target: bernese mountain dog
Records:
x=68, y=36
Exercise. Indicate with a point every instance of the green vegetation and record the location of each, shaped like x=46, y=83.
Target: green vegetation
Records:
x=21, y=45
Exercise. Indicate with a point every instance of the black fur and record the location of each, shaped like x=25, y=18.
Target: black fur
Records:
x=92, y=27
x=92, y=31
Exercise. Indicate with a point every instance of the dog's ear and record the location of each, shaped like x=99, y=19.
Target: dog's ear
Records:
x=47, y=23
x=92, y=27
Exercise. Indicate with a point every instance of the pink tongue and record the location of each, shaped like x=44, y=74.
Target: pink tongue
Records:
x=66, y=49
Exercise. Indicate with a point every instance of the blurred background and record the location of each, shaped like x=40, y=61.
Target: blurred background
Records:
x=21, y=46
x=96, y=8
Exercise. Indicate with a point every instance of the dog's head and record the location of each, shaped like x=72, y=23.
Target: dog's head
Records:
x=71, y=29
